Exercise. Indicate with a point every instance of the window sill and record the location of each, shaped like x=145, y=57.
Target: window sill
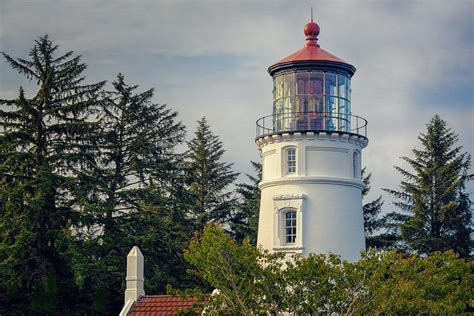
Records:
x=285, y=248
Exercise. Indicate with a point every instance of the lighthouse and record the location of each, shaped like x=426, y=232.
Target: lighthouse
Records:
x=311, y=149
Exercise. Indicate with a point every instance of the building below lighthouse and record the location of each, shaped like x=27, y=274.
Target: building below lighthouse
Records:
x=311, y=148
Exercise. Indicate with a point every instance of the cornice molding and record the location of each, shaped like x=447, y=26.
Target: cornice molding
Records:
x=311, y=180
x=334, y=136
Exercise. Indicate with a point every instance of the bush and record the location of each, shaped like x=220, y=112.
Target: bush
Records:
x=253, y=281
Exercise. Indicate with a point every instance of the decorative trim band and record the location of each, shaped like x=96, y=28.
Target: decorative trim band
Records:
x=289, y=196
x=344, y=137
x=312, y=180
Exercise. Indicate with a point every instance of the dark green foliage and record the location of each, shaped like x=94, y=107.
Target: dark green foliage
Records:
x=371, y=211
x=208, y=179
x=43, y=148
x=79, y=190
x=244, y=221
x=130, y=195
x=136, y=162
x=377, y=234
x=432, y=196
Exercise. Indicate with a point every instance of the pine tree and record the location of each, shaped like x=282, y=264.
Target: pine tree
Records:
x=208, y=178
x=375, y=227
x=44, y=145
x=436, y=208
x=130, y=193
x=137, y=145
x=244, y=221
x=371, y=211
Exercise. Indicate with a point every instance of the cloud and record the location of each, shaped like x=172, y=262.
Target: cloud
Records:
x=209, y=58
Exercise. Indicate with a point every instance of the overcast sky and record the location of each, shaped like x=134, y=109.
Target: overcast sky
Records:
x=210, y=58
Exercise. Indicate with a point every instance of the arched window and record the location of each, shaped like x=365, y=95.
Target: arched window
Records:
x=290, y=160
x=288, y=222
x=290, y=227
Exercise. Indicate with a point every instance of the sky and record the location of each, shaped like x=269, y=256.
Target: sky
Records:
x=414, y=59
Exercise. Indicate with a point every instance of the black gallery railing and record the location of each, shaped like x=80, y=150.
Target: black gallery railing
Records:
x=311, y=122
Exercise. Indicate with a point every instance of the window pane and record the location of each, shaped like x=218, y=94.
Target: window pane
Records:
x=302, y=103
x=316, y=90
x=302, y=83
x=348, y=88
x=330, y=84
x=278, y=87
x=290, y=227
x=331, y=94
x=316, y=83
x=341, y=83
x=278, y=112
x=289, y=85
x=342, y=116
x=288, y=101
x=278, y=104
x=291, y=160
x=302, y=94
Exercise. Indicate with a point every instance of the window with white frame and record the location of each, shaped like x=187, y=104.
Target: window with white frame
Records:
x=290, y=160
x=288, y=218
x=290, y=227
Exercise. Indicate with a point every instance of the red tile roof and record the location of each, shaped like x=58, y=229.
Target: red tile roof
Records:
x=153, y=305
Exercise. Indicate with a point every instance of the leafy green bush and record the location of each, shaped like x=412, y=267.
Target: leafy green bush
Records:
x=254, y=281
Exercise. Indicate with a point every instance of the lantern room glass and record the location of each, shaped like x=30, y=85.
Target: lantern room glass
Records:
x=311, y=100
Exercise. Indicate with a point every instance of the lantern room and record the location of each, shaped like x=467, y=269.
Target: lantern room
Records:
x=311, y=100
x=311, y=92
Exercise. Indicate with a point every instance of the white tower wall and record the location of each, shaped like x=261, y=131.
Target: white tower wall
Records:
x=325, y=191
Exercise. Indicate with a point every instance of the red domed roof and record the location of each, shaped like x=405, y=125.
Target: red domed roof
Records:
x=311, y=51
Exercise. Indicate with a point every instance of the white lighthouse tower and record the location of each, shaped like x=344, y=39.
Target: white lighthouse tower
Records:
x=311, y=189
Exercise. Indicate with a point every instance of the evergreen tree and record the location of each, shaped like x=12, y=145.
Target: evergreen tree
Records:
x=44, y=144
x=436, y=208
x=244, y=222
x=376, y=234
x=371, y=211
x=208, y=179
x=137, y=144
x=130, y=201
